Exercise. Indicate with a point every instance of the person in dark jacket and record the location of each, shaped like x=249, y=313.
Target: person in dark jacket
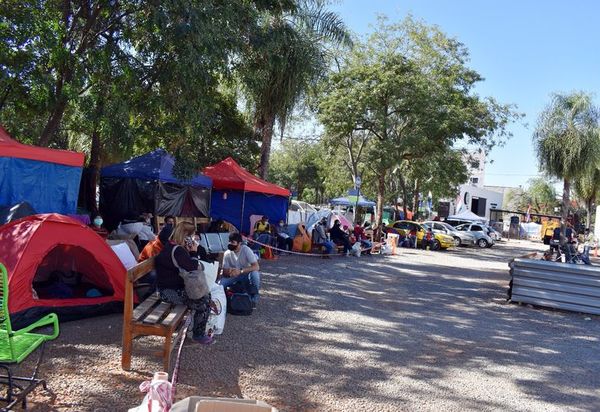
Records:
x=339, y=237
x=170, y=284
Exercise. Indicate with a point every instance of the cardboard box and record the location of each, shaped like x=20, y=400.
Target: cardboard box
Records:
x=208, y=404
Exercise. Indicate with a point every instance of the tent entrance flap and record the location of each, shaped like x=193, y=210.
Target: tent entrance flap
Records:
x=70, y=272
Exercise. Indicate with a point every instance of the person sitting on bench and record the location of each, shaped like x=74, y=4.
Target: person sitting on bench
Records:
x=359, y=233
x=263, y=232
x=339, y=237
x=240, y=266
x=320, y=236
x=284, y=240
x=170, y=284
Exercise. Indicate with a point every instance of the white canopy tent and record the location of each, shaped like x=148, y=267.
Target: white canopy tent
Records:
x=467, y=215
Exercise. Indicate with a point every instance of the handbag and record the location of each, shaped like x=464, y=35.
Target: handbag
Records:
x=194, y=281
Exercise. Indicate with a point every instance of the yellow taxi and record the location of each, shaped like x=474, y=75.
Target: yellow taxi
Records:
x=404, y=227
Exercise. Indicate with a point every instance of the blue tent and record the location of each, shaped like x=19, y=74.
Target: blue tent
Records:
x=47, y=179
x=156, y=165
x=350, y=200
x=147, y=184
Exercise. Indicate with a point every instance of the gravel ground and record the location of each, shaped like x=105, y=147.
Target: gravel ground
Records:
x=421, y=331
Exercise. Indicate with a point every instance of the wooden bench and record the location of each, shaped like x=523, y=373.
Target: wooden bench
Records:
x=152, y=317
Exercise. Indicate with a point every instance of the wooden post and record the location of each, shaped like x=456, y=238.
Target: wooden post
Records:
x=127, y=318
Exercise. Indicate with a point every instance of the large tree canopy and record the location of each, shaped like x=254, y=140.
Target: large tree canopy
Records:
x=408, y=88
x=567, y=141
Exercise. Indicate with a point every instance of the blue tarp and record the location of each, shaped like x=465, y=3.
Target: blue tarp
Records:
x=47, y=187
x=230, y=209
x=156, y=165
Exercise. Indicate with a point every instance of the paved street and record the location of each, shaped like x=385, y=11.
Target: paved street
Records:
x=420, y=331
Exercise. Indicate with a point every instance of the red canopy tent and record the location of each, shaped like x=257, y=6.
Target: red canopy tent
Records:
x=237, y=194
x=228, y=174
x=36, y=248
x=9, y=147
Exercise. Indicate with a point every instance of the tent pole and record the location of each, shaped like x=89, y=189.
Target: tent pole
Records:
x=242, y=217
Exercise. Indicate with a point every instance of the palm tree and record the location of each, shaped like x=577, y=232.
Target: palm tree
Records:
x=285, y=58
x=567, y=142
x=587, y=188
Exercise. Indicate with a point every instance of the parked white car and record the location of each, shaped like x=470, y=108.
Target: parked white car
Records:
x=460, y=237
x=479, y=232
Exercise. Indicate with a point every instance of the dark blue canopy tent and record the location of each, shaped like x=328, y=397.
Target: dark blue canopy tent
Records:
x=146, y=184
x=238, y=194
x=47, y=179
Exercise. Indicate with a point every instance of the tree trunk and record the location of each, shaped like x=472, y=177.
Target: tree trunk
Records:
x=380, y=201
x=64, y=77
x=565, y=209
x=416, y=201
x=53, y=122
x=264, y=128
x=300, y=187
x=404, y=196
x=94, y=163
x=94, y=167
x=588, y=222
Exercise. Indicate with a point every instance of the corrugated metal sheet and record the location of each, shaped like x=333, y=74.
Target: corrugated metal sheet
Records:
x=556, y=285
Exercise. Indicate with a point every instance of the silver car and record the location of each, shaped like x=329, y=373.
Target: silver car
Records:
x=460, y=237
x=479, y=232
x=493, y=233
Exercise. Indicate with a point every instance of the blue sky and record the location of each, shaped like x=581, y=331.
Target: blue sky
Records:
x=525, y=50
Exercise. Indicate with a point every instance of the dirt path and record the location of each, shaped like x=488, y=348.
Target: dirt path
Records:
x=420, y=331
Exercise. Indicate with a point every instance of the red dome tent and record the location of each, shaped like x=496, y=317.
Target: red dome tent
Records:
x=43, y=251
x=237, y=194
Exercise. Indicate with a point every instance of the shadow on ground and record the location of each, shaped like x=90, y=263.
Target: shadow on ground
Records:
x=428, y=330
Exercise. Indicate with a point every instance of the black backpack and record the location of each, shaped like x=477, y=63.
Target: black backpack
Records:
x=239, y=304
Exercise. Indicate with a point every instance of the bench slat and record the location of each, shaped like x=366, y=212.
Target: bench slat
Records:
x=175, y=316
x=158, y=313
x=144, y=307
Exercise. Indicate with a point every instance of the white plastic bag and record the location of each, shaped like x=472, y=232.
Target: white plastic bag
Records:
x=385, y=249
x=159, y=394
x=216, y=322
x=210, y=271
x=356, y=249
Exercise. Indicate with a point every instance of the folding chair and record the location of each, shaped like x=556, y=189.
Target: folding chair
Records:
x=16, y=346
x=214, y=243
x=224, y=239
x=204, y=242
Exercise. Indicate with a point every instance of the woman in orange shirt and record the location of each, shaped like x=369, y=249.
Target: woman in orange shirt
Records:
x=154, y=247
